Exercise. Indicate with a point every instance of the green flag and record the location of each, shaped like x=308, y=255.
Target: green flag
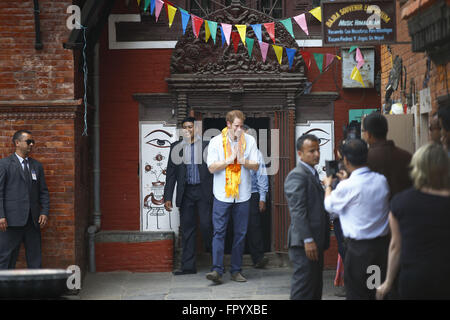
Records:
x=319, y=60
x=288, y=25
x=249, y=42
x=213, y=29
x=352, y=48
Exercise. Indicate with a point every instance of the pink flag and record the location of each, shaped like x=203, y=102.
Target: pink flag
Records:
x=359, y=58
x=264, y=47
x=301, y=21
x=328, y=59
x=227, y=31
x=159, y=4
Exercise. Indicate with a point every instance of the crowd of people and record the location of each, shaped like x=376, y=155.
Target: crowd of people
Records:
x=391, y=213
x=390, y=209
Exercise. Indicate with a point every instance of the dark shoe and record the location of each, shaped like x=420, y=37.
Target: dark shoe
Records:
x=214, y=276
x=238, y=277
x=182, y=272
x=261, y=263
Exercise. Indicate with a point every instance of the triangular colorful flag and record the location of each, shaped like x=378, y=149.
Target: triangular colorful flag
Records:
x=139, y=2
x=301, y=21
x=213, y=29
x=278, y=52
x=147, y=3
x=152, y=6
x=317, y=13
x=250, y=43
x=167, y=4
x=319, y=60
x=257, y=29
x=290, y=54
x=223, y=36
x=207, y=32
x=196, y=24
x=226, y=28
x=352, y=48
x=242, y=29
x=359, y=58
x=264, y=47
x=339, y=58
x=185, y=16
x=159, y=4
x=329, y=59
x=356, y=75
x=287, y=23
x=307, y=58
x=235, y=37
x=270, y=27
x=172, y=11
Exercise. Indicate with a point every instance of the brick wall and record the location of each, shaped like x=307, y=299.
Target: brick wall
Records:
x=27, y=73
x=416, y=66
x=55, y=131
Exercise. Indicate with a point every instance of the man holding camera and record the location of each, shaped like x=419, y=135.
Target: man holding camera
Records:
x=362, y=203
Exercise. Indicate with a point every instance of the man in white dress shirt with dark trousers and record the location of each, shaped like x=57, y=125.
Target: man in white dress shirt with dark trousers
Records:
x=362, y=203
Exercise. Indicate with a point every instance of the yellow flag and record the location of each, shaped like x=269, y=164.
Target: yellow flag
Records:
x=242, y=29
x=338, y=57
x=356, y=75
x=207, y=32
x=317, y=13
x=139, y=2
x=172, y=10
x=278, y=52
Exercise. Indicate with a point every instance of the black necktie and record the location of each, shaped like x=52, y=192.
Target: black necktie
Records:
x=26, y=171
x=316, y=175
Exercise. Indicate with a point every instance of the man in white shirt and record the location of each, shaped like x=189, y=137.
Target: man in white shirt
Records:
x=231, y=156
x=362, y=203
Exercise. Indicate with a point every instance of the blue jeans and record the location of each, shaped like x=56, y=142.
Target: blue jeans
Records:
x=221, y=216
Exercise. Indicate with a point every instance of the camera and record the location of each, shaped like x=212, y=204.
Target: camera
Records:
x=331, y=167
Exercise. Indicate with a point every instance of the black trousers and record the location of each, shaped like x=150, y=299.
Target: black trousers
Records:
x=10, y=242
x=254, y=230
x=359, y=255
x=192, y=206
x=307, y=279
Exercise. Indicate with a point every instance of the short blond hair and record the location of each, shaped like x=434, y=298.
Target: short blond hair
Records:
x=233, y=114
x=430, y=167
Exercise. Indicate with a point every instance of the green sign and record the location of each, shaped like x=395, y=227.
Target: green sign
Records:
x=357, y=114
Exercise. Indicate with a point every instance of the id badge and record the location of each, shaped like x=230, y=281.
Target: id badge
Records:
x=33, y=175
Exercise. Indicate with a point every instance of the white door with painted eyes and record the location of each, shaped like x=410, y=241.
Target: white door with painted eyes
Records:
x=155, y=142
x=324, y=130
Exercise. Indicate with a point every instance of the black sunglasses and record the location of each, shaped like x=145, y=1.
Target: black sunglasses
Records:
x=29, y=141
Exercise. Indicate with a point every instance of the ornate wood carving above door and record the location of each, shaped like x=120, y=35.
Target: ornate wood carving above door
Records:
x=212, y=78
x=195, y=56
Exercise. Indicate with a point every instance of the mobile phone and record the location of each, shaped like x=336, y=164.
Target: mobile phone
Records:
x=331, y=167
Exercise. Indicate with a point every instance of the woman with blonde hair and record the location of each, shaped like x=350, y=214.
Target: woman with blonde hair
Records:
x=420, y=228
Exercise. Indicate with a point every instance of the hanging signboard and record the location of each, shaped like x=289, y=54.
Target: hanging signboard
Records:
x=358, y=23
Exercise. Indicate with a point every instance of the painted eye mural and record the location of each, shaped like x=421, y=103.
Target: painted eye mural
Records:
x=321, y=134
x=158, y=140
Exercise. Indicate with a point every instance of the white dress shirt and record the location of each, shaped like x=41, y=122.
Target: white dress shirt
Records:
x=21, y=161
x=216, y=153
x=362, y=203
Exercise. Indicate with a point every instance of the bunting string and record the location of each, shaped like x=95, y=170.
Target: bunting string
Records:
x=228, y=36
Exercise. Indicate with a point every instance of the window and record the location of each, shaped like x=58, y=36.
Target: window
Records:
x=200, y=7
x=273, y=8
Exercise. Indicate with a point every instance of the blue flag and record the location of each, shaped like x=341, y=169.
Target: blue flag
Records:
x=257, y=29
x=290, y=54
x=152, y=6
x=223, y=36
x=185, y=16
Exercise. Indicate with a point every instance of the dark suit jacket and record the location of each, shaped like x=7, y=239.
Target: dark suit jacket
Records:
x=16, y=200
x=177, y=173
x=392, y=162
x=305, y=197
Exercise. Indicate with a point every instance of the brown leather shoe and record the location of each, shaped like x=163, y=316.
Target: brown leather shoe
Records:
x=238, y=277
x=214, y=276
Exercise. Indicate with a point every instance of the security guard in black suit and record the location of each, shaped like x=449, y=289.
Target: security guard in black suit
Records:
x=187, y=167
